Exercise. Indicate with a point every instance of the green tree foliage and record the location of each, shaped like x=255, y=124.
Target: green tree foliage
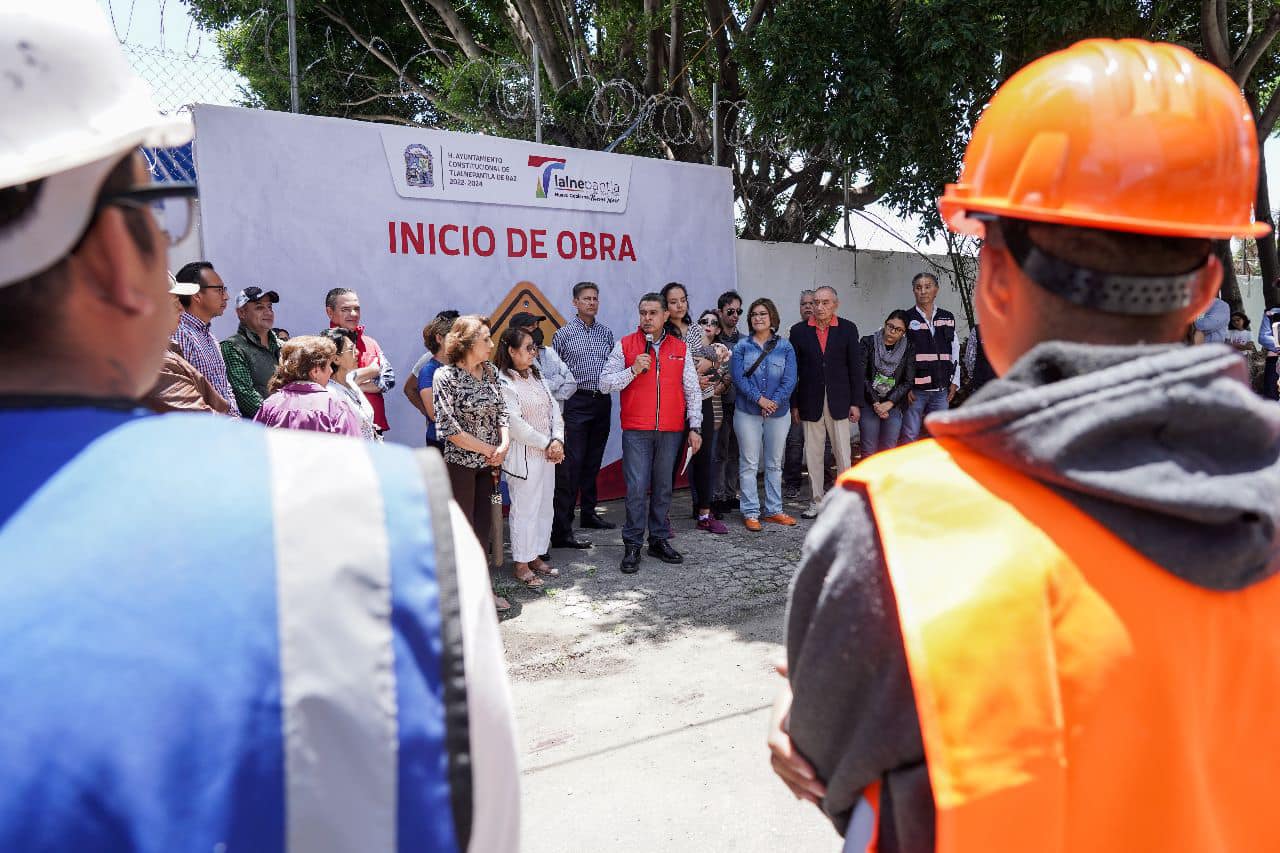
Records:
x=822, y=103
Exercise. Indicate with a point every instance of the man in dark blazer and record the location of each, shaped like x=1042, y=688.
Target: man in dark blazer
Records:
x=829, y=361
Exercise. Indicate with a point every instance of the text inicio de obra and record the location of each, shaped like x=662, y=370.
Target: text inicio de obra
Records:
x=429, y=238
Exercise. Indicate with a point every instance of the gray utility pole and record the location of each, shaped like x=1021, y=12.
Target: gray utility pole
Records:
x=537, y=95
x=293, y=55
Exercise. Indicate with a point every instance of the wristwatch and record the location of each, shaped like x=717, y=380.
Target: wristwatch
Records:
x=698, y=430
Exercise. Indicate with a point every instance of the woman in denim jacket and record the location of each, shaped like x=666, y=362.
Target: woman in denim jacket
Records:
x=764, y=374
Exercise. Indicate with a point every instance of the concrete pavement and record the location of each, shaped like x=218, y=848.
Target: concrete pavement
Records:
x=642, y=700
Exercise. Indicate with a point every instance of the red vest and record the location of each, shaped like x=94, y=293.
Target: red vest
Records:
x=655, y=398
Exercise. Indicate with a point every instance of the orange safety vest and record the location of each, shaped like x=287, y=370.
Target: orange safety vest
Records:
x=1072, y=695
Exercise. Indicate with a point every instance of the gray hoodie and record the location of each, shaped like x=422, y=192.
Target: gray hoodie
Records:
x=1165, y=445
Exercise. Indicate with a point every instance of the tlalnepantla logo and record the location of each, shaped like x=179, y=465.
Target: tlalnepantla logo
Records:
x=548, y=165
x=555, y=181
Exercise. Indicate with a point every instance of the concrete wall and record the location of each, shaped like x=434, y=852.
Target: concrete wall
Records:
x=870, y=284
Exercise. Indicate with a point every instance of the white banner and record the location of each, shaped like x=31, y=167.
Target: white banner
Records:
x=437, y=164
x=302, y=204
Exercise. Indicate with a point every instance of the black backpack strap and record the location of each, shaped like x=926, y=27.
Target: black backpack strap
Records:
x=769, y=347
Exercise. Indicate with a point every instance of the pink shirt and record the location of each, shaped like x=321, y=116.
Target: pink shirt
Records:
x=308, y=406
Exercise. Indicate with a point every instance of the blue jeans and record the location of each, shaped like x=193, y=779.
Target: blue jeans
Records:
x=756, y=433
x=647, y=457
x=879, y=434
x=926, y=403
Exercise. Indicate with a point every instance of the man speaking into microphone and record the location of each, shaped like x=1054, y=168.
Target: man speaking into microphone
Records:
x=658, y=389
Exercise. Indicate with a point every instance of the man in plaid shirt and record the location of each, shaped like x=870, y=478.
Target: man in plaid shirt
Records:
x=198, y=344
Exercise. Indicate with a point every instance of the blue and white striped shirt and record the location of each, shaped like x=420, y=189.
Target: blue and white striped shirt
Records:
x=584, y=349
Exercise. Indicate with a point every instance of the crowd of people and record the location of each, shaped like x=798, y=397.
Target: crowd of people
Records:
x=702, y=399
x=1051, y=627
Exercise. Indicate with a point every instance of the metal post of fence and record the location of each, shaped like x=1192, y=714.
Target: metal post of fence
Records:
x=537, y=96
x=715, y=124
x=293, y=54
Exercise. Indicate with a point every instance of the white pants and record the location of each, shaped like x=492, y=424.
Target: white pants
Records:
x=835, y=427
x=531, y=510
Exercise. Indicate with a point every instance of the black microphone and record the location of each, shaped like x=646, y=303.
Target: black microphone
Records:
x=648, y=348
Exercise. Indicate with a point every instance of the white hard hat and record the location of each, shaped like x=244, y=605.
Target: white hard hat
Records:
x=70, y=109
x=182, y=288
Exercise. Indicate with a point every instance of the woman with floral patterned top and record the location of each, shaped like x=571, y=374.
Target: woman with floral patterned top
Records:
x=471, y=419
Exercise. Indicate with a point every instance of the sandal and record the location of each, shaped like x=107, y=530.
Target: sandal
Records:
x=500, y=603
x=530, y=579
x=543, y=569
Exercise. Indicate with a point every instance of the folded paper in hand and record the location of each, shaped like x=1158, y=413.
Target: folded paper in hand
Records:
x=688, y=454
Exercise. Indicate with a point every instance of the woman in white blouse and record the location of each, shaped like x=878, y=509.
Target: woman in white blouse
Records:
x=537, y=446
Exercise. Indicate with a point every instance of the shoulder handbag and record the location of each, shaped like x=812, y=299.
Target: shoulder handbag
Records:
x=769, y=347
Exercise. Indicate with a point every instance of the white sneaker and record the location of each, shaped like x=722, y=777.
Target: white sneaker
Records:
x=810, y=512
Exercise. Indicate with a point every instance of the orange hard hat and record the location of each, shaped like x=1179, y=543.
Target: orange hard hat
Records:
x=1120, y=135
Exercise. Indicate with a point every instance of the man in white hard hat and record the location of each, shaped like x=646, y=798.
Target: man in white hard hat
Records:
x=265, y=685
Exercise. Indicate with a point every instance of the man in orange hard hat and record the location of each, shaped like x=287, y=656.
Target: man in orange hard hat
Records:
x=1052, y=627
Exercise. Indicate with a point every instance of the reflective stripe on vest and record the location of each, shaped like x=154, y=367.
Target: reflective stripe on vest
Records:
x=1071, y=694
x=221, y=643
x=932, y=347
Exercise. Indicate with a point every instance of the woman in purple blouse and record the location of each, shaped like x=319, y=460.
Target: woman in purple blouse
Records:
x=299, y=399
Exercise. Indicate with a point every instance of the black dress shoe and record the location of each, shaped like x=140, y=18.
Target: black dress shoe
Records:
x=662, y=549
x=570, y=543
x=631, y=560
x=595, y=522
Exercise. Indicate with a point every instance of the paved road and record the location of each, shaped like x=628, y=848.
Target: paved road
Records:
x=642, y=699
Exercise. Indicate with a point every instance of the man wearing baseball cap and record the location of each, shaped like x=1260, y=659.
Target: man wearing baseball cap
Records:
x=1052, y=627
x=253, y=352
x=208, y=644
x=553, y=369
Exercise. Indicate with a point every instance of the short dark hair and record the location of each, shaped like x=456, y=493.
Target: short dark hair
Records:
x=29, y=308
x=899, y=314
x=192, y=273
x=1105, y=251
x=927, y=275
x=331, y=298
x=652, y=296
x=341, y=337
x=727, y=297
x=774, y=320
x=585, y=285
x=277, y=331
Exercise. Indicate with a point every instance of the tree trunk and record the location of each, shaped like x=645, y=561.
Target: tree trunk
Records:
x=1230, y=290
x=1267, y=256
x=675, y=55
x=460, y=32
x=653, y=48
